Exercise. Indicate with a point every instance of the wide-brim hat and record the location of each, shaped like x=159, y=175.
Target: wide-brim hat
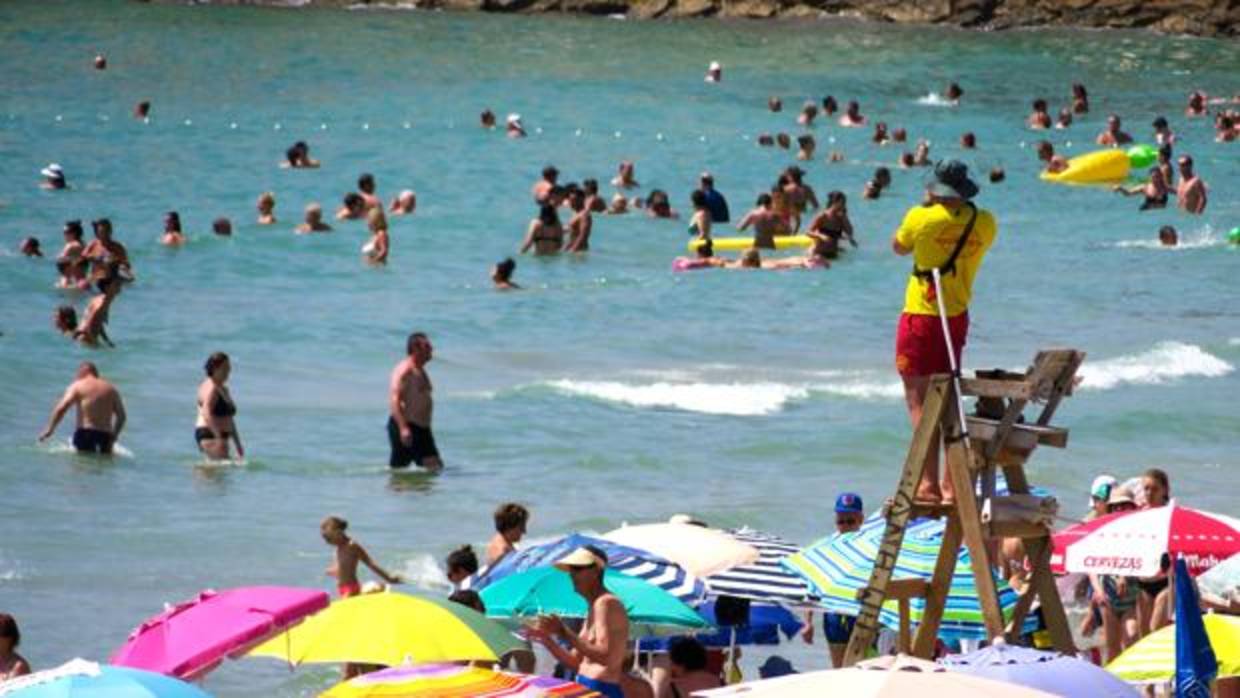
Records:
x=950, y=179
x=582, y=557
x=53, y=171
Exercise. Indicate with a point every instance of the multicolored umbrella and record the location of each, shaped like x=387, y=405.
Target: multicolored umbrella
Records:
x=1133, y=543
x=765, y=580
x=190, y=639
x=547, y=590
x=454, y=681
x=838, y=566
x=389, y=629
x=1152, y=659
x=700, y=551
x=1046, y=671
x=631, y=561
x=79, y=678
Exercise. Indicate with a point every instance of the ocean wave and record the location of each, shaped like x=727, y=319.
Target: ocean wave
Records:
x=934, y=99
x=1190, y=241
x=423, y=572
x=1166, y=361
x=735, y=399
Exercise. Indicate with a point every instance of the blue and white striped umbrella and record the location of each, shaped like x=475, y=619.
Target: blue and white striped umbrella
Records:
x=631, y=561
x=765, y=580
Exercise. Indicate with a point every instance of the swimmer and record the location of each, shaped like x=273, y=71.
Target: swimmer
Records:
x=619, y=205
x=659, y=206
x=714, y=72
x=800, y=195
x=222, y=226
x=775, y=104
x=699, y=222
x=624, y=176
x=352, y=208
x=766, y=224
x=752, y=259
x=783, y=140
x=65, y=320
x=1167, y=237
x=545, y=235
x=829, y=106
x=968, y=141
x=907, y=160
x=765, y=140
x=1112, y=135
x=874, y=187
x=142, y=110
x=1155, y=191
x=953, y=93
x=705, y=257
x=366, y=187
x=461, y=564
x=411, y=407
x=805, y=147
x=749, y=259
x=100, y=412
x=348, y=554
x=809, y=112
x=1064, y=120
x=404, y=204
x=580, y=225
x=1039, y=118
x=1196, y=104
x=997, y=175
x=594, y=202
x=1191, y=192
x=781, y=204
x=106, y=255
x=101, y=62
x=831, y=225
x=1225, y=130
x=852, y=116
x=93, y=327
x=172, y=236
x=216, y=424
x=501, y=277
x=375, y=251
x=73, y=248
x=921, y=154
x=1080, y=99
x=312, y=221
x=511, y=520
x=30, y=248
x=487, y=119
x=835, y=156
x=513, y=127
x=1164, y=164
x=266, y=208
x=715, y=200
x=900, y=135
x=880, y=134
x=53, y=177
x=72, y=275
x=1054, y=163
x=1162, y=132
x=12, y=664
x=542, y=188
x=298, y=157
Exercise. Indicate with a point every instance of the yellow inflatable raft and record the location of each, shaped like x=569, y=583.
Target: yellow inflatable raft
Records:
x=1098, y=167
x=782, y=242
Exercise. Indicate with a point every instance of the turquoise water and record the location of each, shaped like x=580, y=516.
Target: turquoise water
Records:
x=611, y=389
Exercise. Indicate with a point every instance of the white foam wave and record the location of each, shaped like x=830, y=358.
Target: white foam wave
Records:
x=736, y=399
x=1202, y=238
x=934, y=99
x=66, y=447
x=864, y=389
x=423, y=572
x=1165, y=362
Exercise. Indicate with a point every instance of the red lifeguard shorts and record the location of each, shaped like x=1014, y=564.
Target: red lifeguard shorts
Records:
x=920, y=349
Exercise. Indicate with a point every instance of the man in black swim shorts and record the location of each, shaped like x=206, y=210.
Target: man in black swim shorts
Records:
x=410, y=407
x=100, y=411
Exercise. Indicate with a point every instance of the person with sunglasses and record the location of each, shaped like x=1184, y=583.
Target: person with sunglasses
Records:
x=849, y=515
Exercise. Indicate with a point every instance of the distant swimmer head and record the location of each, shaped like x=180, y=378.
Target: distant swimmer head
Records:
x=968, y=140
x=899, y=135
x=950, y=180
x=30, y=247
x=1168, y=237
x=354, y=204
x=880, y=132
x=714, y=72
x=953, y=92
x=784, y=140
x=53, y=177
x=707, y=181
x=504, y=269
x=172, y=222
x=266, y=203
x=766, y=140
x=221, y=226
x=590, y=186
x=514, y=127
x=882, y=176
x=1039, y=105
x=809, y=111
x=1065, y=118
x=101, y=62
x=619, y=203
x=487, y=118
x=1046, y=151
x=366, y=183
x=314, y=213
x=751, y=259
x=829, y=105
x=142, y=110
x=907, y=159
x=65, y=319
x=406, y=201
x=997, y=175
x=775, y=104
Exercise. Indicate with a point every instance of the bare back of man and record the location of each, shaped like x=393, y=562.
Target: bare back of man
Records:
x=100, y=412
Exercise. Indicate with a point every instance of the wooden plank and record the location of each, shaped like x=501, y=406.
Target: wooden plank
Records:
x=1021, y=437
x=905, y=640
x=906, y=588
x=1016, y=529
x=1019, y=389
x=1063, y=384
x=936, y=593
x=925, y=437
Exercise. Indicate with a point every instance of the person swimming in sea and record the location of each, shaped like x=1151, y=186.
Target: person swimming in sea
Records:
x=809, y=112
x=545, y=234
x=53, y=177
x=65, y=320
x=501, y=277
x=348, y=553
x=581, y=224
x=658, y=205
x=513, y=127
x=1167, y=237
x=699, y=222
x=404, y=204
x=375, y=251
x=172, y=236
x=775, y=104
x=312, y=221
x=876, y=184
x=352, y=208
x=1039, y=118
x=806, y=146
x=487, y=119
x=298, y=157
x=1054, y=163
x=880, y=136
x=852, y=117
x=1065, y=119
x=266, y=208
x=624, y=176
x=830, y=226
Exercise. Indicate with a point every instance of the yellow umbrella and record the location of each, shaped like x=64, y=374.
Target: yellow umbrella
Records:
x=1152, y=660
x=390, y=629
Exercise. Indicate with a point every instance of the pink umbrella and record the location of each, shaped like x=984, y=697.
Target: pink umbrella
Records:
x=1132, y=543
x=192, y=638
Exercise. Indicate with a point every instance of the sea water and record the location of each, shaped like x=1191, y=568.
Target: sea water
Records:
x=610, y=389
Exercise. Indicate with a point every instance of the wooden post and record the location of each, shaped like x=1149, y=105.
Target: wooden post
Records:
x=904, y=644
x=936, y=594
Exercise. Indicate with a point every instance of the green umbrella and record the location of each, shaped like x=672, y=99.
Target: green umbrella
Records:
x=547, y=591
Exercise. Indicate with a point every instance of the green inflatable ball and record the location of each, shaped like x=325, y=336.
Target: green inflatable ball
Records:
x=1233, y=236
x=1142, y=156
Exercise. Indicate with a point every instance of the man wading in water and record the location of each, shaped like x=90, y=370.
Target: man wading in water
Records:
x=410, y=406
x=952, y=235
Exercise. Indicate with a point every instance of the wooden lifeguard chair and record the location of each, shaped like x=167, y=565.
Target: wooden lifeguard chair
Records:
x=997, y=436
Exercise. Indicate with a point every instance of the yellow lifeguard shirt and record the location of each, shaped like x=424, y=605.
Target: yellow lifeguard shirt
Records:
x=932, y=232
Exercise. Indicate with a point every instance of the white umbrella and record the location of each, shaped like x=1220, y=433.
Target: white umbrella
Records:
x=700, y=551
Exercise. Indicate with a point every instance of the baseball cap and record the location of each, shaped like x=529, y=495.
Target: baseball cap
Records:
x=1102, y=487
x=849, y=503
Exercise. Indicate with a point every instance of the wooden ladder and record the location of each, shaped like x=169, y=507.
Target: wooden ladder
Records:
x=1000, y=439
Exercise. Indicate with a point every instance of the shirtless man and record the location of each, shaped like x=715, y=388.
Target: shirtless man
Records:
x=1113, y=136
x=542, y=188
x=766, y=224
x=348, y=554
x=510, y=522
x=366, y=187
x=1039, y=118
x=800, y=195
x=594, y=202
x=410, y=406
x=313, y=221
x=597, y=652
x=1191, y=191
x=624, y=176
x=580, y=224
x=100, y=411
x=852, y=116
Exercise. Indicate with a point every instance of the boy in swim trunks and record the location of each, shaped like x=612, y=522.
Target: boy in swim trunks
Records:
x=100, y=412
x=410, y=407
x=348, y=553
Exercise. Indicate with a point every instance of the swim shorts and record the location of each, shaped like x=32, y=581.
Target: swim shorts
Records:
x=920, y=349
x=92, y=441
x=604, y=688
x=421, y=447
x=347, y=590
x=838, y=628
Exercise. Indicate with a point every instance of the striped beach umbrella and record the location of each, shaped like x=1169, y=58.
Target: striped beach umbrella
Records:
x=838, y=566
x=449, y=680
x=765, y=580
x=1152, y=658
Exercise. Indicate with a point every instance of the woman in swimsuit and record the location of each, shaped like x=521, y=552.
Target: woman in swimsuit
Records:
x=545, y=234
x=699, y=224
x=688, y=673
x=1155, y=190
x=830, y=226
x=173, y=236
x=375, y=251
x=216, y=410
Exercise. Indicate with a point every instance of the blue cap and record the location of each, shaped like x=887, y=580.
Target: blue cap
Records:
x=849, y=503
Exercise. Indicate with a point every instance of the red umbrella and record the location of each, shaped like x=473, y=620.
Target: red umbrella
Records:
x=192, y=638
x=1132, y=543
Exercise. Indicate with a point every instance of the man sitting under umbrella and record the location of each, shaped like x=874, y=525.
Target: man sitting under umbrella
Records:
x=597, y=652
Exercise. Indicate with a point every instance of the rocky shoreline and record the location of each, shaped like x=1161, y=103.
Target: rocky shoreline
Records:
x=1218, y=18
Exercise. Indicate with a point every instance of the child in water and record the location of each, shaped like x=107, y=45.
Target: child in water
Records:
x=348, y=553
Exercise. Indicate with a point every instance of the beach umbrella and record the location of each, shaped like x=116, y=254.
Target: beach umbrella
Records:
x=838, y=566
x=631, y=561
x=699, y=550
x=766, y=624
x=388, y=628
x=1133, y=543
x=79, y=678
x=890, y=678
x=1152, y=659
x=1222, y=580
x=764, y=580
x=547, y=590
x=190, y=639
x=1046, y=671
x=1195, y=664
x=448, y=680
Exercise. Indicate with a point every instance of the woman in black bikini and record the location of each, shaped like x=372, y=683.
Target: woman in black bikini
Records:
x=216, y=410
x=545, y=233
x=830, y=226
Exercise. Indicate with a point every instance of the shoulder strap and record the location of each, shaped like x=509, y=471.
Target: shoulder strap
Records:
x=949, y=267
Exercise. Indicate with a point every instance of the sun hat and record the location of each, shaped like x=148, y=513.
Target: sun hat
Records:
x=53, y=171
x=849, y=503
x=514, y=118
x=714, y=65
x=951, y=179
x=1102, y=487
x=1121, y=495
x=585, y=556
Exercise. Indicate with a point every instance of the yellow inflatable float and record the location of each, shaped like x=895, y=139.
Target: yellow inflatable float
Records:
x=1098, y=167
x=782, y=242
